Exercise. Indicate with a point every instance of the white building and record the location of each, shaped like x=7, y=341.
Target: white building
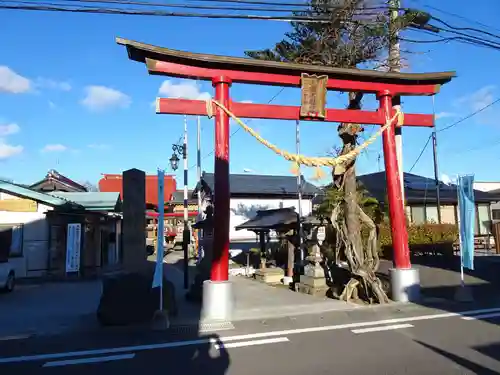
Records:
x=251, y=193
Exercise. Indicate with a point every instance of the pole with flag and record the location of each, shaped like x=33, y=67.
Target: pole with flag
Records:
x=467, y=219
x=158, y=275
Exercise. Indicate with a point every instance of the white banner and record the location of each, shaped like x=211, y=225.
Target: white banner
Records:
x=73, y=247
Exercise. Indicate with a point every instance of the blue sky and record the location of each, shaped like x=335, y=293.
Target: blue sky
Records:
x=71, y=100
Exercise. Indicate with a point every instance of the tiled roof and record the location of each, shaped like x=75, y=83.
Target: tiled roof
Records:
x=92, y=201
x=54, y=175
x=178, y=196
x=42, y=198
x=249, y=184
x=420, y=190
x=113, y=183
x=270, y=219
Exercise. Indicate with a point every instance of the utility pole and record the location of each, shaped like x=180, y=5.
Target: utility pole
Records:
x=395, y=66
x=198, y=175
x=186, y=234
x=299, y=192
x=436, y=172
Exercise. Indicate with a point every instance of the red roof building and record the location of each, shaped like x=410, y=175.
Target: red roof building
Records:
x=114, y=183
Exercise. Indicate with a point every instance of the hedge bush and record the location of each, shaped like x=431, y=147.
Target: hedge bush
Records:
x=423, y=239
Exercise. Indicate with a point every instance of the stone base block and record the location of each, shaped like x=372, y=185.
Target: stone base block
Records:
x=319, y=291
x=315, y=271
x=270, y=275
x=315, y=282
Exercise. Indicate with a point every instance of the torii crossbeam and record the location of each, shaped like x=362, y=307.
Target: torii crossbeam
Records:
x=223, y=71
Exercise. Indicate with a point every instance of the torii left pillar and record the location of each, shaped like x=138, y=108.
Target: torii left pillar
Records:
x=217, y=292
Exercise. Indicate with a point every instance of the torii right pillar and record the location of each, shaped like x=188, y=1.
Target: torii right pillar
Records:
x=405, y=280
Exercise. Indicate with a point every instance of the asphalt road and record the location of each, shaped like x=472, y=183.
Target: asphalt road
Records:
x=379, y=341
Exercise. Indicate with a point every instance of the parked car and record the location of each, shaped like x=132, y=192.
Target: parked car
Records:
x=7, y=277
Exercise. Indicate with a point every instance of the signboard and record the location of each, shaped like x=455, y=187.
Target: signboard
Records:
x=321, y=235
x=18, y=205
x=313, y=100
x=73, y=248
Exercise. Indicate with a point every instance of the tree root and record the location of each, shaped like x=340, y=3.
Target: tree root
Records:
x=367, y=284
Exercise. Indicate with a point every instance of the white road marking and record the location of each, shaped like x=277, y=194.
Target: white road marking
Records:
x=177, y=344
x=382, y=328
x=482, y=316
x=14, y=337
x=241, y=344
x=82, y=361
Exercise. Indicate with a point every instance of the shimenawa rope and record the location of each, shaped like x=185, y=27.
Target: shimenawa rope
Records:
x=308, y=161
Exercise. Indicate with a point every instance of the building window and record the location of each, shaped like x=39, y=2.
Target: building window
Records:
x=448, y=215
x=431, y=213
x=11, y=238
x=495, y=214
x=408, y=213
x=483, y=216
x=418, y=215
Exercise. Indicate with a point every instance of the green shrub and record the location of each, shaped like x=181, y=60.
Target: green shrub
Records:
x=423, y=238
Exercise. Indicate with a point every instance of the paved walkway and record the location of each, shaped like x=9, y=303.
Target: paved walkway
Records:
x=252, y=299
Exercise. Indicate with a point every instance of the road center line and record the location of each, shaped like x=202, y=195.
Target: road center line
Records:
x=482, y=316
x=82, y=361
x=176, y=344
x=240, y=344
x=382, y=328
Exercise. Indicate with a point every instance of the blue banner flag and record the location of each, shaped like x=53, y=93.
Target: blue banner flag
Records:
x=158, y=276
x=467, y=212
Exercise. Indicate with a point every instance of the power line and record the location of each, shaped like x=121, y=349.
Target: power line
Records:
x=237, y=130
x=470, y=20
x=470, y=115
x=421, y=153
x=151, y=4
x=52, y=7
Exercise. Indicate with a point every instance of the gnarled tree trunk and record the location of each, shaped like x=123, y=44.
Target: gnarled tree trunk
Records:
x=363, y=263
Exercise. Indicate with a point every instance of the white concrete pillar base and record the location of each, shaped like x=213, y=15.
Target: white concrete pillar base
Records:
x=405, y=284
x=217, y=300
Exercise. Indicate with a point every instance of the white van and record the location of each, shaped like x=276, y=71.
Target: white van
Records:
x=7, y=277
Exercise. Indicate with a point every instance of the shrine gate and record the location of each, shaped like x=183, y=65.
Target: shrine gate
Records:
x=223, y=71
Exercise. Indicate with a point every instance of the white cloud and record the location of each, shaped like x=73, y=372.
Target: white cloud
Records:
x=52, y=105
x=99, y=146
x=479, y=101
x=99, y=98
x=13, y=83
x=445, y=115
x=246, y=101
x=51, y=84
x=7, y=150
x=9, y=129
x=57, y=147
x=182, y=90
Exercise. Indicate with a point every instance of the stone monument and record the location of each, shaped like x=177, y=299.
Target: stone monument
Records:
x=134, y=219
x=313, y=280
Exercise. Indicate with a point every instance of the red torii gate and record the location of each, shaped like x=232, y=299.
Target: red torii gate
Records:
x=223, y=71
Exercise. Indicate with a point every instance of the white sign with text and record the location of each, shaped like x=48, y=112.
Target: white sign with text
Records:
x=73, y=248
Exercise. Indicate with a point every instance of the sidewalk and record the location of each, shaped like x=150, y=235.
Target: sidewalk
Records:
x=49, y=308
x=252, y=300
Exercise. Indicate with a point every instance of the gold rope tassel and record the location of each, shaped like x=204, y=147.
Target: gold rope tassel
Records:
x=308, y=161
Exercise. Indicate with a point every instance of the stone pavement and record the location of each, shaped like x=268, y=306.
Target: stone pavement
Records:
x=252, y=300
x=49, y=308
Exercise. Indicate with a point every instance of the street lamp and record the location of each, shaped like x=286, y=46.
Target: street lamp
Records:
x=186, y=233
x=174, y=162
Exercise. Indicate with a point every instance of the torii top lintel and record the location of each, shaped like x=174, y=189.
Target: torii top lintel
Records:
x=174, y=63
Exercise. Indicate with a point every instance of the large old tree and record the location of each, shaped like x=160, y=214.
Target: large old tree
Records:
x=356, y=35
